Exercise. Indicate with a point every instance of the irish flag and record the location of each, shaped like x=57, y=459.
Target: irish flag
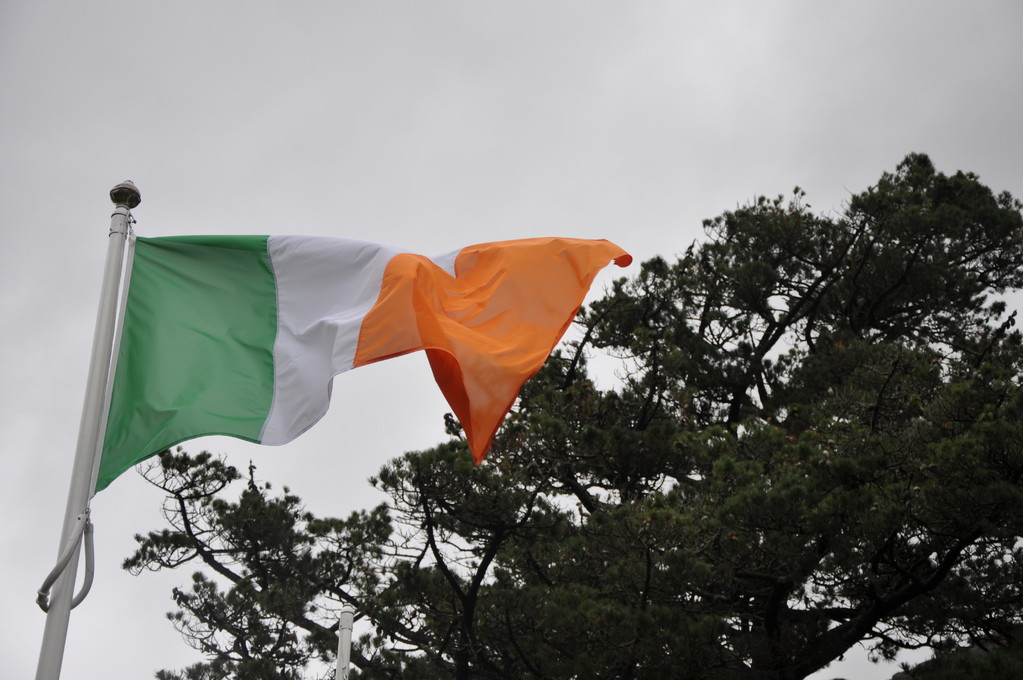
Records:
x=242, y=335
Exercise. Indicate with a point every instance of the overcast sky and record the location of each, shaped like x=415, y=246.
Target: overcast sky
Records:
x=428, y=125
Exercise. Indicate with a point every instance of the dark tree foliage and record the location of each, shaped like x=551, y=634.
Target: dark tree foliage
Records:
x=989, y=659
x=815, y=440
x=275, y=571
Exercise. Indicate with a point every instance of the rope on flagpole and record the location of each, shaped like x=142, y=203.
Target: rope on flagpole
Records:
x=90, y=566
x=123, y=194
x=82, y=526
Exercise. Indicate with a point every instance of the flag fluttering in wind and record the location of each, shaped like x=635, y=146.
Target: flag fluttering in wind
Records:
x=242, y=335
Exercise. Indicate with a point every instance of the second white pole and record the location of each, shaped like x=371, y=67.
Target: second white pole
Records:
x=344, y=643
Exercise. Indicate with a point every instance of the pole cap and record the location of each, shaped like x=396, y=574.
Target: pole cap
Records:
x=126, y=193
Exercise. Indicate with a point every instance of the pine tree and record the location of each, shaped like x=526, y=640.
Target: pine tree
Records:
x=814, y=442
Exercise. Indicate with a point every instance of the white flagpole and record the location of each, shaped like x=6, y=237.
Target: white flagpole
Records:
x=344, y=644
x=51, y=654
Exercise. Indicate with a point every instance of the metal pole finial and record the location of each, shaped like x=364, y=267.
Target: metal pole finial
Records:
x=126, y=193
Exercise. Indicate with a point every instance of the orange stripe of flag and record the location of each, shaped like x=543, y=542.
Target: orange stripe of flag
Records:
x=488, y=329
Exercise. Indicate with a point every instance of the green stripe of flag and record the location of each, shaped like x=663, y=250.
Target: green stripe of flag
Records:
x=197, y=347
